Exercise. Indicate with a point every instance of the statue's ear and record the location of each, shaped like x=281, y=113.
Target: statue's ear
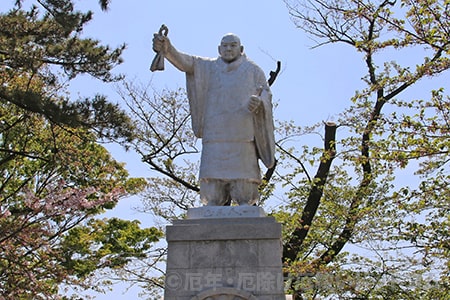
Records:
x=242, y=49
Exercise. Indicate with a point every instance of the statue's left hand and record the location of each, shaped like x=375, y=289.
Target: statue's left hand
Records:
x=254, y=103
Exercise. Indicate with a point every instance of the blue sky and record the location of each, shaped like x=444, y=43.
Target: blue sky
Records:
x=314, y=85
x=314, y=81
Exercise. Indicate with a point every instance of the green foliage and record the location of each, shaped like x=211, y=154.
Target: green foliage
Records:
x=106, y=244
x=45, y=48
x=396, y=228
x=373, y=235
x=54, y=175
x=52, y=181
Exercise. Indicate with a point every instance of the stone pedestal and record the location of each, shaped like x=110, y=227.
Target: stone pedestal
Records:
x=226, y=253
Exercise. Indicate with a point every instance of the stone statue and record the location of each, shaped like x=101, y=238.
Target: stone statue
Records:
x=231, y=110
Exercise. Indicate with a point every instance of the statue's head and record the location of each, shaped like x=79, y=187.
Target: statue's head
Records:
x=230, y=48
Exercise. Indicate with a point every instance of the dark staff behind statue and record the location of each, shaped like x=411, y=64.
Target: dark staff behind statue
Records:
x=231, y=110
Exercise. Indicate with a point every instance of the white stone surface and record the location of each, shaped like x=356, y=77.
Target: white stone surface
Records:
x=224, y=258
x=209, y=212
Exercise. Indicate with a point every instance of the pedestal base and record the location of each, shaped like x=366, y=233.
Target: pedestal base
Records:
x=224, y=258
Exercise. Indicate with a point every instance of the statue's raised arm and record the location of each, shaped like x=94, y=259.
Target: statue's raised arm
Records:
x=164, y=48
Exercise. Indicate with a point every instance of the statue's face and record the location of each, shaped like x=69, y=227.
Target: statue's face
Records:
x=230, y=48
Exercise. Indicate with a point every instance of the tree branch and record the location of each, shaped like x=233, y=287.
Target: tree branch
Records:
x=352, y=217
x=272, y=77
x=273, y=74
x=292, y=247
x=171, y=175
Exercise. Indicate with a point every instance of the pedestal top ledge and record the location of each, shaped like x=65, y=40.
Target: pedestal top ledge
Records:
x=224, y=223
x=224, y=212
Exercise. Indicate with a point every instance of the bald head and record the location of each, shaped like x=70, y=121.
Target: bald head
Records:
x=230, y=48
x=231, y=37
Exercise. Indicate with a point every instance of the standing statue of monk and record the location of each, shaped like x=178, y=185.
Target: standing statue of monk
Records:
x=231, y=110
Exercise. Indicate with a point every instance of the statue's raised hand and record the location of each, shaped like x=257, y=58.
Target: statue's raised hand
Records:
x=160, y=46
x=160, y=43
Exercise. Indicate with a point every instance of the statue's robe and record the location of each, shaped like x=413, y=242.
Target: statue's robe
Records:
x=233, y=138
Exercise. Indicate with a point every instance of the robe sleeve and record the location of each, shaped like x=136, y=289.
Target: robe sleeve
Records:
x=264, y=129
x=195, y=86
